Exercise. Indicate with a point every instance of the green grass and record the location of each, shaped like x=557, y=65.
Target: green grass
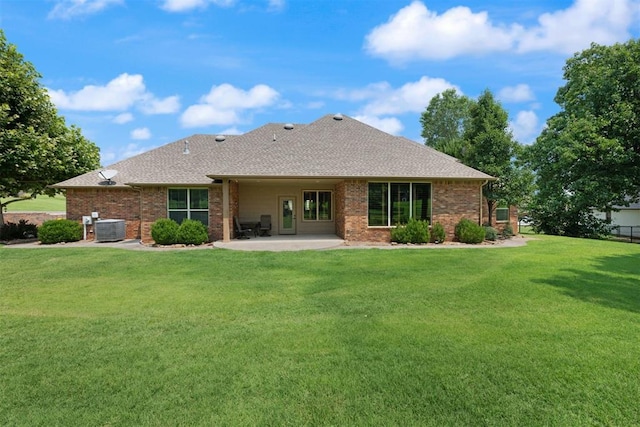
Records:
x=546, y=334
x=39, y=204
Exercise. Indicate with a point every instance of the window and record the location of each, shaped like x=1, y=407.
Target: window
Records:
x=392, y=203
x=502, y=213
x=192, y=203
x=317, y=205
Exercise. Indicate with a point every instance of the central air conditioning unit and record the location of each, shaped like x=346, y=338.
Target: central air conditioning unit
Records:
x=109, y=230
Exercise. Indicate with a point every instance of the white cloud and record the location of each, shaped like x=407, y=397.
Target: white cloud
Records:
x=167, y=105
x=121, y=93
x=573, y=29
x=389, y=124
x=187, y=5
x=275, y=5
x=141, y=133
x=225, y=105
x=526, y=127
x=412, y=97
x=417, y=32
x=123, y=118
x=68, y=9
x=518, y=93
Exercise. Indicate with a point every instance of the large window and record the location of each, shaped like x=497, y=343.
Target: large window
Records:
x=317, y=205
x=392, y=203
x=192, y=203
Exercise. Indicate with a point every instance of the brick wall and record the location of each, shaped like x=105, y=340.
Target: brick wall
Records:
x=36, y=218
x=110, y=203
x=454, y=200
x=139, y=208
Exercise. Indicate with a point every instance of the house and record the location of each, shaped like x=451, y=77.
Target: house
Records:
x=335, y=176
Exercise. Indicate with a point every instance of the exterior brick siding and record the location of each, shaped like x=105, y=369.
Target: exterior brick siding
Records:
x=513, y=219
x=451, y=201
x=454, y=200
x=110, y=203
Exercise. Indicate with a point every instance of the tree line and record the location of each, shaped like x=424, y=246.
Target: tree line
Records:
x=586, y=160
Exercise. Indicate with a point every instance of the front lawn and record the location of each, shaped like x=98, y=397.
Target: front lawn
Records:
x=546, y=334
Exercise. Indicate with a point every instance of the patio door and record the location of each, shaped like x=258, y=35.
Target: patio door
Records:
x=287, y=215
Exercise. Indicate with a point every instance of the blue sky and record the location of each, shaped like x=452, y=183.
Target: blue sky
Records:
x=136, y=74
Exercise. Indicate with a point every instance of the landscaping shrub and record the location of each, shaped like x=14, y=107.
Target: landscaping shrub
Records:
x=164, y=231
x=467, y=231
x=490, y=233
x=22, y=230
x=507, y=231
x=59, y=230
x=399, y=234
x=192, y=232
x=437, y=233
x=414, y=232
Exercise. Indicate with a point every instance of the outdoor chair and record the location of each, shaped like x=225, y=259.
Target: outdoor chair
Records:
x=241, y=232
x=265, y=225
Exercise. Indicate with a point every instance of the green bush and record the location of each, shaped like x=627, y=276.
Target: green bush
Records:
x=414, y=232
x=490, y=233
x=192, y=232
x=467, y=231
x=164, y=231
x=507, y=231
x=399, y=234
x=437, y=233
x=22, y=230
x=59, y=230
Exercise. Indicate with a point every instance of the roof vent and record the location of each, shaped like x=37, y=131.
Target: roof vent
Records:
x=220, y=138
x=185, y=150
x=338, y=117
x=288, y=126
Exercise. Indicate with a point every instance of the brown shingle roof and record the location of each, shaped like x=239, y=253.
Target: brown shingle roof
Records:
x=323, y=149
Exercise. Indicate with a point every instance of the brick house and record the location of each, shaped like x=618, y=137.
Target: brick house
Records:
x=333, y=176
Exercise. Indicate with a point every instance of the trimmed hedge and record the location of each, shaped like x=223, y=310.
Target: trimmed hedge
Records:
x=165, y=231
x=414, y=232
x=59, y=230
x=438, y=234
x=467, y=231
x=192, y=232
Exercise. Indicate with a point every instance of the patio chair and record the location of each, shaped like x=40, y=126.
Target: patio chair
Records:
x=241, y=232
x=265, y=225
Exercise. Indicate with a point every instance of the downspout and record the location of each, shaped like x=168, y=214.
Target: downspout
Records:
x=481, y=201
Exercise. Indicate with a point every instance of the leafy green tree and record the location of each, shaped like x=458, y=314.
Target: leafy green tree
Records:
x=444, y=122
x=588, y=157
x=492, y=150
x=37, y=149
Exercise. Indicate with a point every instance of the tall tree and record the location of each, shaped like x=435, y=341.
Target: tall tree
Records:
x=37, y=149
x=588, y=157
x=492, y=149
x=444, y=122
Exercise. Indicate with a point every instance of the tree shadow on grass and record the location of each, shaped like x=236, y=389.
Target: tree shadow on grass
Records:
x=614, y=283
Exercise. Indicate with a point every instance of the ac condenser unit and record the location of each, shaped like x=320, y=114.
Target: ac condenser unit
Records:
x=109, y=230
